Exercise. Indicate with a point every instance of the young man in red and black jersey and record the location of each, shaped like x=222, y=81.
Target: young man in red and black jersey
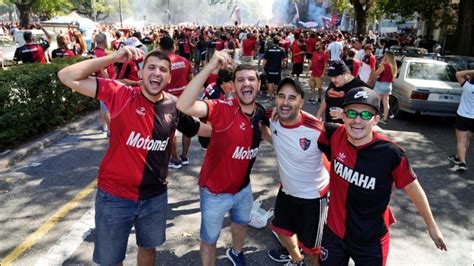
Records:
x=31, y=52
x=225, y=174
x=364, y=167
x=143, y=122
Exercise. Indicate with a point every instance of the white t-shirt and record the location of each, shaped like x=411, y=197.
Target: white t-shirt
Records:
x=301, y=168
x=466, y=105
x=336, y=49
x=360, y=55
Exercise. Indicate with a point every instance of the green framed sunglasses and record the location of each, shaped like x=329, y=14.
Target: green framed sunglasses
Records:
x=365, y=115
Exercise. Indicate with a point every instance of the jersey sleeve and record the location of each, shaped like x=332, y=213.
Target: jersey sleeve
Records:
x=372, y=61
x=114, y=95
x=324, y=140
x=403, y=174
x=187, y=125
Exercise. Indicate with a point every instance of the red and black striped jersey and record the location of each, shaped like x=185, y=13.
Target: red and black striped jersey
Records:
x=31, y=53
x=233, y=147
x=135, y=165
x=361, y=180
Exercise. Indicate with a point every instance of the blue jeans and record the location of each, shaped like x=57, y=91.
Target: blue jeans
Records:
x=215, y=206
x=114, y=218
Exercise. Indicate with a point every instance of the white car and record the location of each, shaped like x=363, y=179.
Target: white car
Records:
x=426, y=87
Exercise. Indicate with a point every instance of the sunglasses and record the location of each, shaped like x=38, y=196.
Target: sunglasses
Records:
x=365, y=115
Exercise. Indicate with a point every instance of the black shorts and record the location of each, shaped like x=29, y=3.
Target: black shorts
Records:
x=297, y=68
x=337, y=251
x=303, y=217
x=273, y=77
x=464, y=123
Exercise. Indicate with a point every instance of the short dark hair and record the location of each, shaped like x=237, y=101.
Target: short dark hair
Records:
x=245, y=66
x=28, y=36
x=224, y=75
x=276, y=40
x=158, y=54
x=166, y=43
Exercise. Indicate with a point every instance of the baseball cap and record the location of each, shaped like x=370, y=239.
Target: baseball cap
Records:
x=133, y=42
x=337, y=68
x=296, y=85
x=362, y=95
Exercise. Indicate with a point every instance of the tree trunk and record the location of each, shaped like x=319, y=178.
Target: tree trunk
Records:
x=360, y=16
x=25, y=14
x=465, y=29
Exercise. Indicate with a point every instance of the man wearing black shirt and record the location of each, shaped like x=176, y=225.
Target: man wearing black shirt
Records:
x=31, y=52
x=342, y=81
x=272, y=65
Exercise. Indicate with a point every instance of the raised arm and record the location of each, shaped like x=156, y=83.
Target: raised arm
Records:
x=461, y=75
x=77, y=76
x=48, y=36
x=187, y=102
x=417, y=195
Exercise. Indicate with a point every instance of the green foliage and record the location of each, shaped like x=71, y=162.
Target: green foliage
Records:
x=342, y=6
x=34, y=101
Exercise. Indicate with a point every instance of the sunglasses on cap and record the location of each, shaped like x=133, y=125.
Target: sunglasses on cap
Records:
x=365, y=115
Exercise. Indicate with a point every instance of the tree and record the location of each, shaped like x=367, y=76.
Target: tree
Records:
x=464, y=35
x=362, y=10
x=44, y=8
x=435, y=13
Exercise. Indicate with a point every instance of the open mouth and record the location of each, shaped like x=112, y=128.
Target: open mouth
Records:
x=156, y=82
x=284, y=110
x=357, y=128
x=247, y=93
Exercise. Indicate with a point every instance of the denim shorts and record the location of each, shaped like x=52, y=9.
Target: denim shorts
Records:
x=215, y=206
x=103, y=107
x=383, y=87
x=114, y=218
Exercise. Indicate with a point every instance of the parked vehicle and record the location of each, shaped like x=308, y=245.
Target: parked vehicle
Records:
x=459, y=61
x=426, y=87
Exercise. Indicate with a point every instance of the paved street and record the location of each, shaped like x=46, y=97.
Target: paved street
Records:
x=37, y=187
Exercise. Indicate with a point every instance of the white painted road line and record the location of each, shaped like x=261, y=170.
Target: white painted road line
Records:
x=66, y=246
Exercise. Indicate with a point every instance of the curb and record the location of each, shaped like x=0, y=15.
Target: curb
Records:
x=19, y=153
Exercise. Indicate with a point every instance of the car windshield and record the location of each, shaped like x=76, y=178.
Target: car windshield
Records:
x=431, y=71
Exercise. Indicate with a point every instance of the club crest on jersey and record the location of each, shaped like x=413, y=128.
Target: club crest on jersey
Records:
x=324, y=254
x=242, y=126
x=167, y=118
x=305, y=143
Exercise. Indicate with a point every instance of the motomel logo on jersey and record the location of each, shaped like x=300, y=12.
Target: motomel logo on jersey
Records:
x=241, y=153
x=136, y=141
x=353, y=177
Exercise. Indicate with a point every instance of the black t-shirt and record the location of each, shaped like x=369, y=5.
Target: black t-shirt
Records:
x=32, y=53
x=261, y=45
x=274, y=56
x=338, y=101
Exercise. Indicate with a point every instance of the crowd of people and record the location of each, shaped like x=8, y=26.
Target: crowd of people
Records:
x=205, y=81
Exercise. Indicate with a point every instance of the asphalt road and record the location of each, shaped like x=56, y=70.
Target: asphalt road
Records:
x=35, y=191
